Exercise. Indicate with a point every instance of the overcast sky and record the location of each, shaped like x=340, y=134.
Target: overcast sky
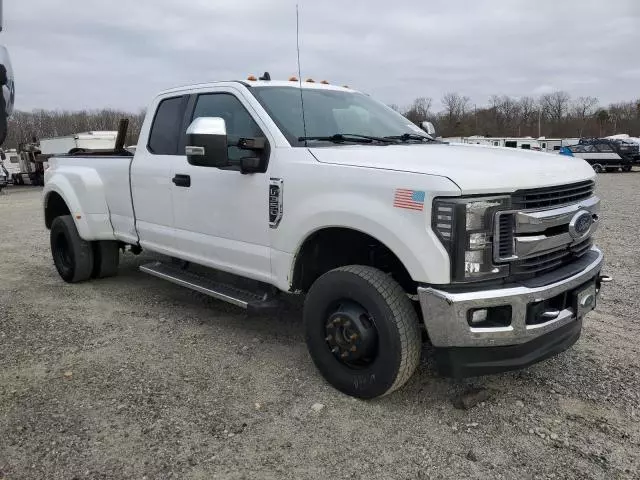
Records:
x=113, y=53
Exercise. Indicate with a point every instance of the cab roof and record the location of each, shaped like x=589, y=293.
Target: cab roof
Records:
x=259, y=83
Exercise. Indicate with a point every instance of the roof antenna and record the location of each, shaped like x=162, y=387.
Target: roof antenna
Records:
x=304, y=121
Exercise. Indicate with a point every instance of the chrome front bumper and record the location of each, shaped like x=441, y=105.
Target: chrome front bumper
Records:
x=445, y=313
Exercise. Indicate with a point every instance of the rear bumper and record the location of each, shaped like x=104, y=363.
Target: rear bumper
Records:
x=469, y=350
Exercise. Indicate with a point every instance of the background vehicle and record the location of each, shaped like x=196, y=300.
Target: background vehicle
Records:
x=387, y=232
x=604, y=154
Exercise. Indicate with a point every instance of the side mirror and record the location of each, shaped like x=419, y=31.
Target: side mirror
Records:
x=207, y=142
x=428, y=127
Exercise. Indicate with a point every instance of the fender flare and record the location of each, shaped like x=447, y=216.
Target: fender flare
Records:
x=90, y=216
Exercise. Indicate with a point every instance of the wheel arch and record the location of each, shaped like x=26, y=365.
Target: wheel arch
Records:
x=327, y=248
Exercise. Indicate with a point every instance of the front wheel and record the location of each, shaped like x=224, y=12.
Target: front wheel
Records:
x=362, y=331
x=597, y=168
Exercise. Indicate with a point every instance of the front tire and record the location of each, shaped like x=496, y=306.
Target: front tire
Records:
x=362, y=331
x=72, y=256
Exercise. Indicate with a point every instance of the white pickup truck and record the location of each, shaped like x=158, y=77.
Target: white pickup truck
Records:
x=393, y=237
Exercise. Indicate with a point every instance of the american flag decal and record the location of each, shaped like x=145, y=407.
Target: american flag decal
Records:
x=410, y=199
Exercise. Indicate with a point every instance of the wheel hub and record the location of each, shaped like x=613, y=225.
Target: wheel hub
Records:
x=351, y=335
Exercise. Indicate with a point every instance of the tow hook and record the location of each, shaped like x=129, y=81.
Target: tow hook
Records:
x=602, y=279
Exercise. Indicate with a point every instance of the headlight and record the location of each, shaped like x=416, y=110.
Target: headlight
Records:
x=465, y=228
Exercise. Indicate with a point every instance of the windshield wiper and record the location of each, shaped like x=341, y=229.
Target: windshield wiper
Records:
x=347, y=137
x=405, y=137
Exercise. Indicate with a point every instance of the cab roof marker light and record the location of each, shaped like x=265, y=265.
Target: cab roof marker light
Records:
x=251, y=78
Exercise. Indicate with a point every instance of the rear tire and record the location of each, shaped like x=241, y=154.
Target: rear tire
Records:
x=72, y=256
x=365, y=302
x=627, y=168
x=106, y=257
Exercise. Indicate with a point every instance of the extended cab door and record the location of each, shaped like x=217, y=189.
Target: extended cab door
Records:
x=221, y=216
x=151, y=173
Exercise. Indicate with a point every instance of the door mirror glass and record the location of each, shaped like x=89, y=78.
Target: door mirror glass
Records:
x=428, y=127
x=207, y=142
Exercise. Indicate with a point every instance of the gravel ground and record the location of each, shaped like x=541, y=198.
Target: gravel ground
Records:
x=133, y=377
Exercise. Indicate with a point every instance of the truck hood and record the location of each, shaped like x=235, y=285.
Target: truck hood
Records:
x=474, y=168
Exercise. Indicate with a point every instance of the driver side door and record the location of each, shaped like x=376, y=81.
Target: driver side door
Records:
x=221, y=218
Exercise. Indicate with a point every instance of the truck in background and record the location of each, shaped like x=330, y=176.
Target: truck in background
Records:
x=27, y=164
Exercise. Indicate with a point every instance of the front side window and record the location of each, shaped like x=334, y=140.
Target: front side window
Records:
x=239, y=122
x=165, y=130
x=329, y=112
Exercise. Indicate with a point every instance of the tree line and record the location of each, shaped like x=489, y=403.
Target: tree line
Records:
x=551, y=115
x=24, y=127
x=555, y=114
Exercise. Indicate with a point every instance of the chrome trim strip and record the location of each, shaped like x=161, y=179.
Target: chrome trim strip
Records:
x=445, y=313
x=538, y=221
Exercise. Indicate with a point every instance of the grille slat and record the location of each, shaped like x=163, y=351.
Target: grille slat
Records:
x=552, y=196
x=505, y=235
x=549, y=261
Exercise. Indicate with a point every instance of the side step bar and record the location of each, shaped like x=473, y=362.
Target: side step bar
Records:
x=253, y=302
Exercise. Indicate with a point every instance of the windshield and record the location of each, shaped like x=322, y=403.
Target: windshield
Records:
x=330, y=112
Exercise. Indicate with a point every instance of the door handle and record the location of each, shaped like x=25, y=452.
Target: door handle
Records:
x=181, y=180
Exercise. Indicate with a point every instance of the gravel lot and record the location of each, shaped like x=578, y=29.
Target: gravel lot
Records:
x=132, y=377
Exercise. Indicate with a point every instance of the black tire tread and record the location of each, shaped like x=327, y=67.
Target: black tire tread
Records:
x=403, y=313
x=106, y=258
x=82, y=248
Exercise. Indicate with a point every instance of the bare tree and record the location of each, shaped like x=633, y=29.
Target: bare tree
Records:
x=419, y=111
x=583, y=109
x=528, y=111
x=555, y=105
x=455, y=108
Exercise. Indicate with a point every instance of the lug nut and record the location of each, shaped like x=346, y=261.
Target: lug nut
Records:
x=353, y=337
x=354, y=348
x=345, y=354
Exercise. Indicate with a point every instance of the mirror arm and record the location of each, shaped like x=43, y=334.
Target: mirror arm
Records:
x=249, y=143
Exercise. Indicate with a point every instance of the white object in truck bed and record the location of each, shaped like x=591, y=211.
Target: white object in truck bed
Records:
x=98, y=140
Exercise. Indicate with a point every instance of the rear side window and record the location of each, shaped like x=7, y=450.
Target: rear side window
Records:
x=165, y=130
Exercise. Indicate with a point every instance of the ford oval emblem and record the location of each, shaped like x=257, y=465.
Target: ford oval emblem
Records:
x=580, y=224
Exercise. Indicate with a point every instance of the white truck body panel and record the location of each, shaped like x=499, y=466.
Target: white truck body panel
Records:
x=346, y=186
x=474, y=168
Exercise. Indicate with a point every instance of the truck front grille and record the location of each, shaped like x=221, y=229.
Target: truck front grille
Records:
x=549, y=261
x=552, y=196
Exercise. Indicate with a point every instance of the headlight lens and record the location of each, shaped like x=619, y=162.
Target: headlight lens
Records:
x=465, y=228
